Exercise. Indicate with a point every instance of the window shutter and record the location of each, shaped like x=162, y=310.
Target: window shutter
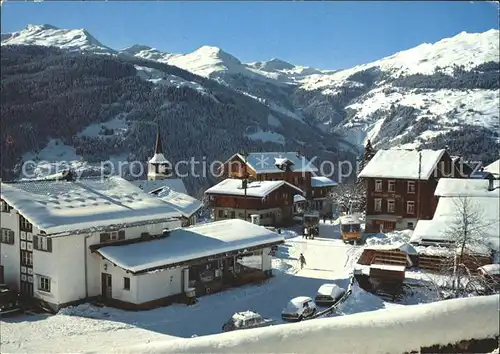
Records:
x=121, y=235
x=105, y=237
x=11, y=237
x=35, y=242
x=49, y=245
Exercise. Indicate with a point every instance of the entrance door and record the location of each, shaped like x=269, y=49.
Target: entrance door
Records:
x=106, y=289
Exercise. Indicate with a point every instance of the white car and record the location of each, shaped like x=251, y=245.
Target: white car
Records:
x=328, y=294
x=298, y=308
x=245, y=320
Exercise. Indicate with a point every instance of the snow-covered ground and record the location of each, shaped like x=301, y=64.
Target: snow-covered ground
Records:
x=88, y=328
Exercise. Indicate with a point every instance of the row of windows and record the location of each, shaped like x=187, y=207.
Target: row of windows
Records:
x=4, y=207
x=391, y=206
x=112, y=236
x=225, y=214
x=391, y=186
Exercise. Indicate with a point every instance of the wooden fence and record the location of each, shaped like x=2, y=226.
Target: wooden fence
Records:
x=438, y=264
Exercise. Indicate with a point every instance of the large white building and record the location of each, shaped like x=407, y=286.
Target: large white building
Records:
x=48, y=226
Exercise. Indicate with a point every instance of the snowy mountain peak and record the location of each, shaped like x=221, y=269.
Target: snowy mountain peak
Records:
x=136, y=48
x=48, y=35
x=215, y=53
x=274, y=65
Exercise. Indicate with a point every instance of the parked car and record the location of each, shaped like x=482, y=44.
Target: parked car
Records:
x=9, y=300
x=328, y=294
x=298, y=308
x=246, y=320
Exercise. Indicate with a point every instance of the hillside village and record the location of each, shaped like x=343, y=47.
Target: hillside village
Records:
x=166, y=202
x=140, y=244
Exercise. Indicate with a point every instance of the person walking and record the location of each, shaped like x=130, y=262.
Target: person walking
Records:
x=302, y=260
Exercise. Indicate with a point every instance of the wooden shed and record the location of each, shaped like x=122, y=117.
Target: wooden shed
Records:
x=387, y=273
x=402, y=254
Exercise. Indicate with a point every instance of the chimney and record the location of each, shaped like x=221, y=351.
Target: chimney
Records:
x=490, y=183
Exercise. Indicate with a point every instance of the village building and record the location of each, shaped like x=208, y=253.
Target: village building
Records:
x=47, y=227
x=272, y=201
x=400, y=187
x=483, y=198
x=292, y=167
x=68, y=241
x=162, y=183
x=202, y=259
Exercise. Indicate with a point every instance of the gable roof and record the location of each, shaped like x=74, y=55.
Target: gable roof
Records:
x=466, y=187
x=493, y=168
x=322, y=181
x=61, y=206
x=260, y=189
x=265, y=162
x=185, y=244
x=181, y=202
x=402, y=164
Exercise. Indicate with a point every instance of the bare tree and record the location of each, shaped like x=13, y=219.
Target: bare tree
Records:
x=467, y=232
x=348, y=198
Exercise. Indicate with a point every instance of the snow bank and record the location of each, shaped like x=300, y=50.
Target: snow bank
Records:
x=393, y=330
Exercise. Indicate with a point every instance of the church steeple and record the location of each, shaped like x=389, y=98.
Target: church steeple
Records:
x=158, y=147
x=158, y=166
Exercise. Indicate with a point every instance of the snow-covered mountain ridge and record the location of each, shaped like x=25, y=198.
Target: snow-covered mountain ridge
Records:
x=417, y=97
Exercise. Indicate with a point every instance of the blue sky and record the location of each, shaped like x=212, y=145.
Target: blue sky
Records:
x=327, y=35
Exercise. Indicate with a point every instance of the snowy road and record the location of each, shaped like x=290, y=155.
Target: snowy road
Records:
x=327, y=260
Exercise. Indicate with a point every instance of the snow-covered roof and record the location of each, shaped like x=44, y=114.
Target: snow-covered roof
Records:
x=298, y=198
x=349, y=219
x=493, y=168
x=265, y=162
x=466, y=187
x=396, y=268
x=491, y=269
x=402, y=246
x=402, y=164
x=330, y=290
x=322, y=181
x=445, y=216
x=233, y=186
x=60, y=206
x=184, y=244
x=175, y=184
x=158, y=158
x=245, y=315
x=181, y=202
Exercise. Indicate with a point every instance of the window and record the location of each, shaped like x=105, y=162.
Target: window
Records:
x=126, y=283
x=42, y=243
x=378, y=185
x=25, y=224
x=378, y=204
x=27, y=258
x=391, y=205
x=43, y=283
x=220, y=214
x=391, y=186
x=410, y=207
x=410, y=188
x=5, y=207
x=233, y=214
x=7, y=236
x=410, y=226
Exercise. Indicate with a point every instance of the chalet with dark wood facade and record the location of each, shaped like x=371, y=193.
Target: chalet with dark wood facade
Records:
x=292, y=167
x=271, y=200
x=400, y=187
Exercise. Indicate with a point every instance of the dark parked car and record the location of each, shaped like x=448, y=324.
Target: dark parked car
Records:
x=9, y=300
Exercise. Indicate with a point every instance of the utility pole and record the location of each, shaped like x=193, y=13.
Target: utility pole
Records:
x=245, y=180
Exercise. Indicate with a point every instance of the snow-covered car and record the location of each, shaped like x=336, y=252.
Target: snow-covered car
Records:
x=328, y=294
x=246, y=320
x=298, y=308
x=9, y=300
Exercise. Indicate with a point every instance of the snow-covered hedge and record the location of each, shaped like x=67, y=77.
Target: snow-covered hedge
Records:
x=393, y=330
